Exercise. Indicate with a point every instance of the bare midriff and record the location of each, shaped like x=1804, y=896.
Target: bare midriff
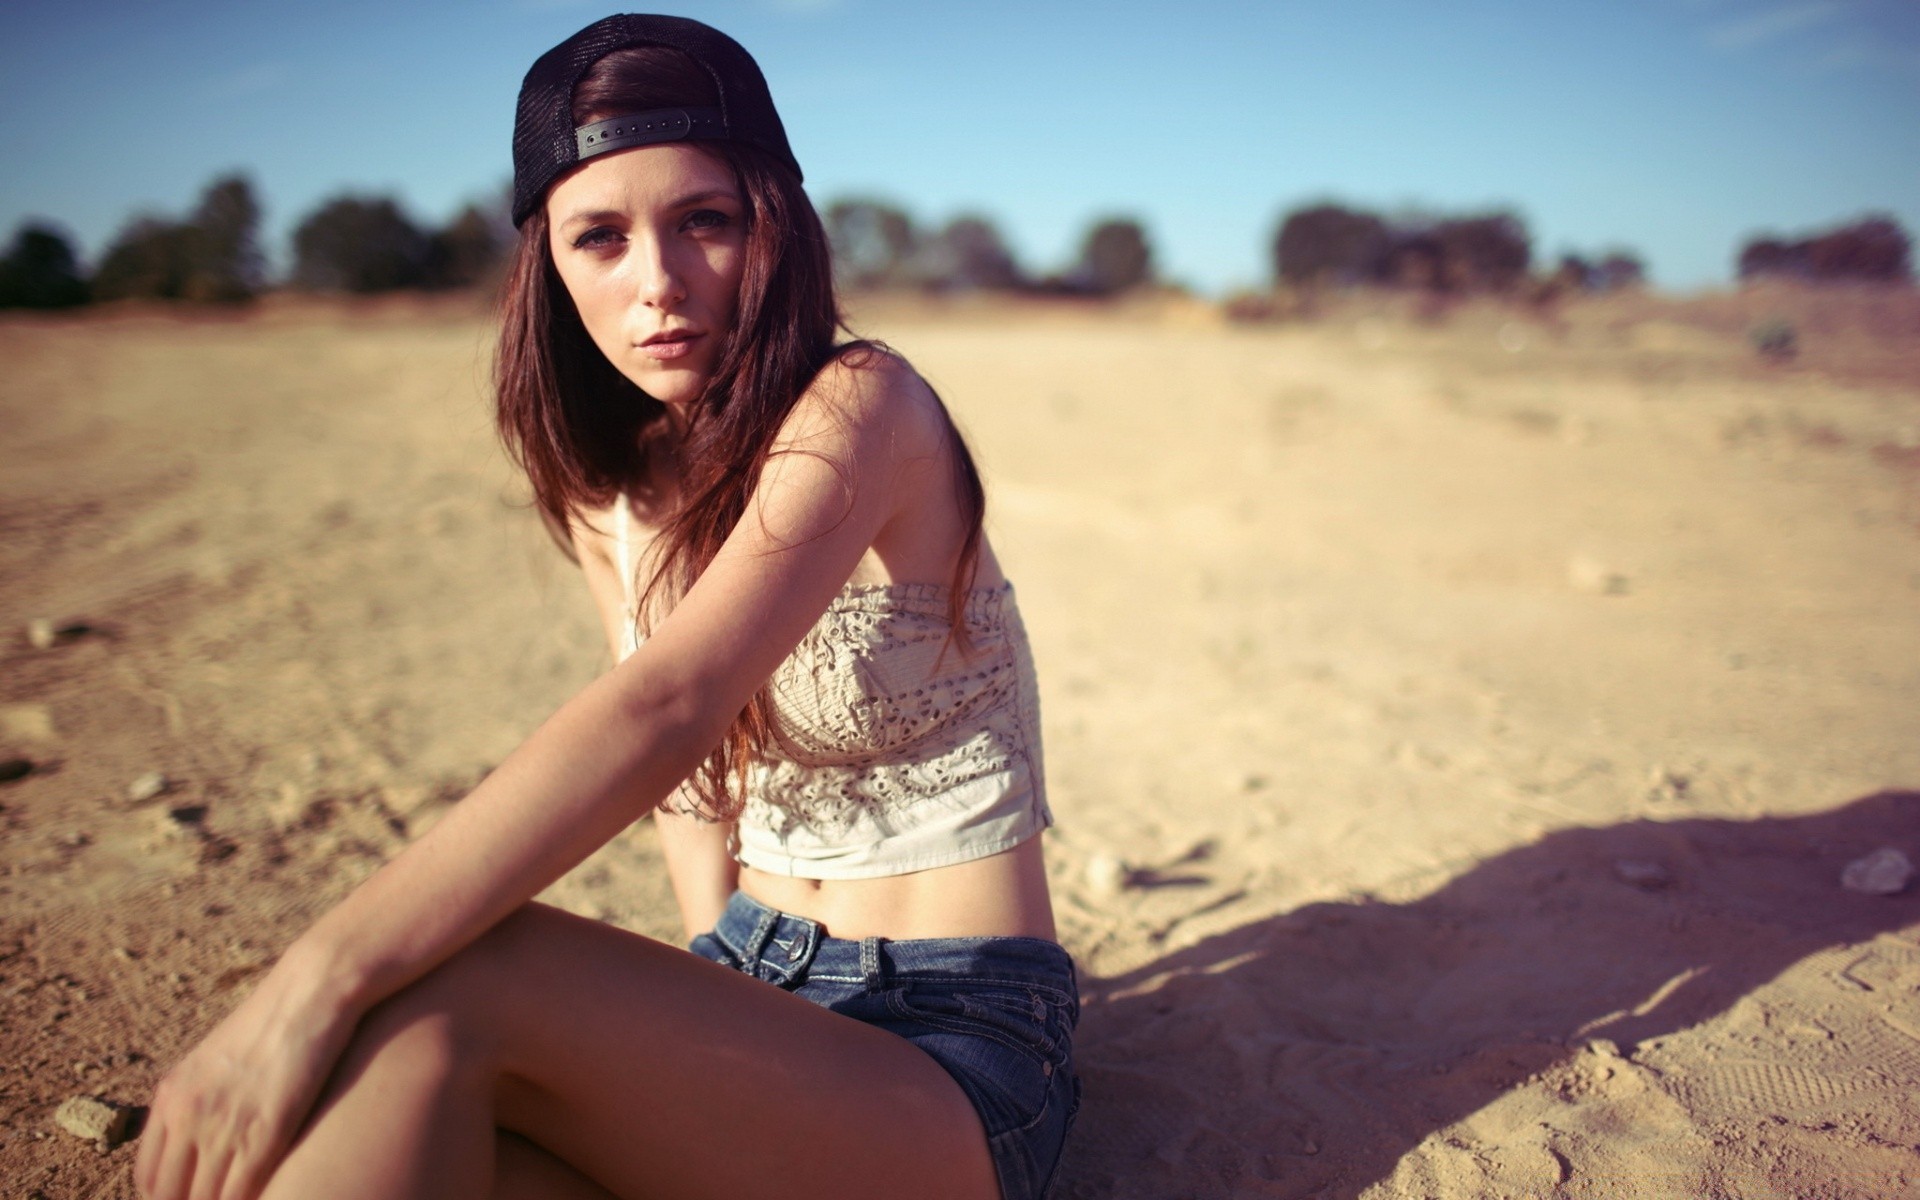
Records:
x=1002, y=895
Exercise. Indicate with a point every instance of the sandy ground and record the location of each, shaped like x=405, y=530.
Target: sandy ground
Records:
x=1457, y=731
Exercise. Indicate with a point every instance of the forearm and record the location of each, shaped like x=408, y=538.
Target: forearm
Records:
x=703, y=872
x=602, y=761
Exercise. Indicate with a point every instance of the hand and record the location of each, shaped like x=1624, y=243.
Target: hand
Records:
x=223, y=1119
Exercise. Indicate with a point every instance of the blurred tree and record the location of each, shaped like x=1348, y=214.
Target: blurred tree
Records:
x=1490, y=252
x=1874, y=249
x=1574, y=272
x=1762, y=257
x=1114, y=258
x=969, y=254
x=1329, y=243
x=873, y=243
x=150, y=259
x=359, y=244
x=40, y=270
x=214, y=255
x=1618, y=269
x=223, y=250
x=1333, y=244
x=471, y=250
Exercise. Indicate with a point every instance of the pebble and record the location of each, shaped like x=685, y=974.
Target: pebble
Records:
x=44, y=633
x=1106, y=875
x=1885, y=872
x=1592, y=575
x=95, y=1119
x=15, y=768
x=27, y=722
x=1650, y=876
x=148, y=786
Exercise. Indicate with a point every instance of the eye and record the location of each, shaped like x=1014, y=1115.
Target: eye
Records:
x=598, y=236
x=707, y=218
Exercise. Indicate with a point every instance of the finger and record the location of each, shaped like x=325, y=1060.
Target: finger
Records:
x=175, y=1174
x=146, y=1164
x=210, y=1181
x=253, y=1167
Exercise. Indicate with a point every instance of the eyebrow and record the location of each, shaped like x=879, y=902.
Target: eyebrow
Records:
x=599, y=215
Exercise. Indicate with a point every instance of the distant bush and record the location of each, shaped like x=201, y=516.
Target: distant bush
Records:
x=968, y=255
x=874, y=244
x=1872, y=250
x=1330, y=244
x=1333, y=244
x=1775, y=339
x=360, y=244
x=1487, y=253
x=149, y=260
x=1114, y=258
x=40, y=271
x=1616, y=270
x=212, y=256
x=471, y=251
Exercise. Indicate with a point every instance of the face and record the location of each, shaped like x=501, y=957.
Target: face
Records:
x=651, y=244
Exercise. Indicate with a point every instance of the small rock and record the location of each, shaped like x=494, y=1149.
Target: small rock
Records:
x=1106, y=875
x=1885, y=872
x=1650, y=876
x=1664, y=783
x=44, y=633
x=15, y=768
x=1592, y=575
x=148, y=786
x=95, y=1119
x=27, y=723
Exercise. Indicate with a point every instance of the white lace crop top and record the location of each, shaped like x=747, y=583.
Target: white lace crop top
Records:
x=899, y=751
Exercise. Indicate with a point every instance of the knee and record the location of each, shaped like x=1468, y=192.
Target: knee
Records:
x=444, y=1021
x=411, y=1036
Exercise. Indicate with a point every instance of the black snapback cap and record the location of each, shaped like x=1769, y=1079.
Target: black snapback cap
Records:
x=546, y=144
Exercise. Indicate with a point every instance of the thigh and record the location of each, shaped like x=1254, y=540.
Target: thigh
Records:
x=524, y=1171
x=657, y=1073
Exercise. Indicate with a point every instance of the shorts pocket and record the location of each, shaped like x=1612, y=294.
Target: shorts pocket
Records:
x=1004, y=1043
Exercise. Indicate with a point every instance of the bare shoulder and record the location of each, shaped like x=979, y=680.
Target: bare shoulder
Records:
x=869, y=399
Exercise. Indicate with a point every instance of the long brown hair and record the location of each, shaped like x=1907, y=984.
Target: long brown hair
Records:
x=577, y=426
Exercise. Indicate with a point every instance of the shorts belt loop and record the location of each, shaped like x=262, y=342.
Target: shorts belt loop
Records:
x=870, y=963
x=757, y=942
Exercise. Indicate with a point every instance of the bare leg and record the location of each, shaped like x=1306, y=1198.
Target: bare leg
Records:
x=523, y=1171
x=642, y=1068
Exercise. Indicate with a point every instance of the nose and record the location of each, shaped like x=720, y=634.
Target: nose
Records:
x=657, y=277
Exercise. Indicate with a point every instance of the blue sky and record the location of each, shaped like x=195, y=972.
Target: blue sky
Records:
x=1672, y=127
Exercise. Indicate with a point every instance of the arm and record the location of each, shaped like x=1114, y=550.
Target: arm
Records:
x=618, y=748
x=702, y=871
x=606, y=757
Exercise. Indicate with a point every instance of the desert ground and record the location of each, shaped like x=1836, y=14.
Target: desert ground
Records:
x=1458, y=724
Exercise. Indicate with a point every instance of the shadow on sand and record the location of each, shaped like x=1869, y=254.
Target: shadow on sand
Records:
x=1307, y=1054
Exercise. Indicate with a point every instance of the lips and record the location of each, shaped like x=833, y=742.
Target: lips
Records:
x=670, y=344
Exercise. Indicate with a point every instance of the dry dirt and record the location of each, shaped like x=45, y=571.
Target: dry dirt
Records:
x=1458, y=730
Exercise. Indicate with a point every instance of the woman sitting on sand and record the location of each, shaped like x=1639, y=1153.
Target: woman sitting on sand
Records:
x=823, y=694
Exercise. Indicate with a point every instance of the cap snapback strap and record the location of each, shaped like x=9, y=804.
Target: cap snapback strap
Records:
x=647, y=128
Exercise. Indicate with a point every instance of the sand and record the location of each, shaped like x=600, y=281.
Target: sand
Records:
x=1458, y=730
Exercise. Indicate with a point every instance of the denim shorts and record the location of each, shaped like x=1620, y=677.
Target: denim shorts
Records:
x=996, y=1012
